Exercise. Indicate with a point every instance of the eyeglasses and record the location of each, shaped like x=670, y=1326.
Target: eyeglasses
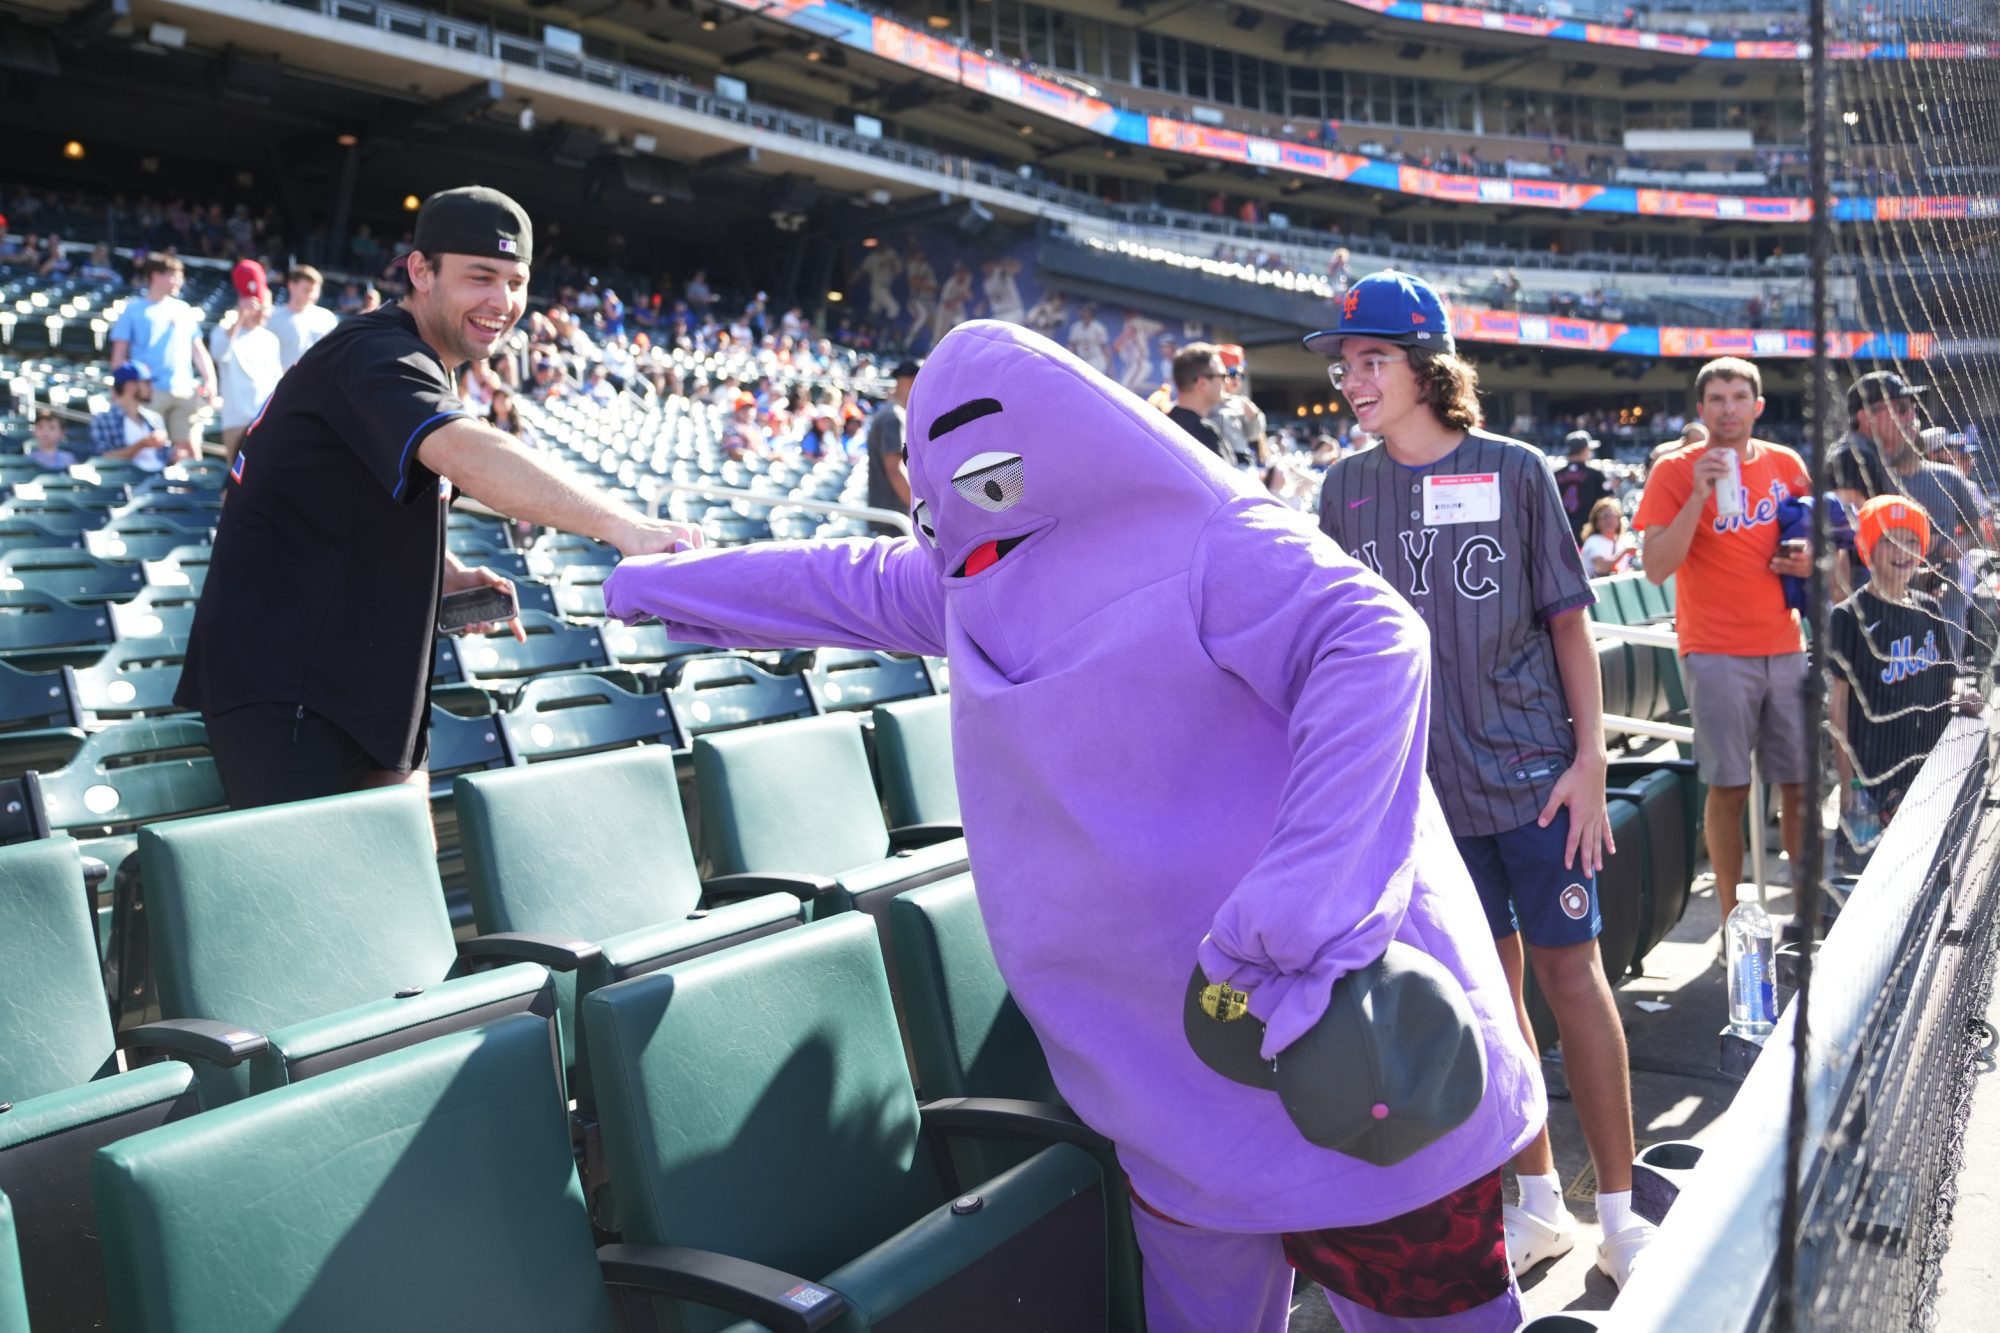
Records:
x=1368, y=368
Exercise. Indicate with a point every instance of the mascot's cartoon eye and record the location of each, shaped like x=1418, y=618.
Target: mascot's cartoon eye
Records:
x=924, y=522
x=991, y=481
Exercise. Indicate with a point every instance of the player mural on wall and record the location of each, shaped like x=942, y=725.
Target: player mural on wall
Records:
x=1121, y=610
x=909, y=309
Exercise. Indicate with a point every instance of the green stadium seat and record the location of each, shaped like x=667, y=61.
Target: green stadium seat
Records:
x=56, y=515
x=578, y=713
x=596, y=849
x=580, y=591
x=722, y=691
x=18, y=531
x=647, y=647
x=36, y=627
x=322, y=925
x=913, y=754
x=853, y=680
x=182, y=567
x=797, y=798
x=13, y=1294
x=1667, y=830
x=552, y=645
x=755, y=1103
x=446, y=667
x=41, y=724
x=552, y=554
x=74, y=576
x=134, y=678
x=61, y=1082
x=1656, y=600
x=156, y=613
x=532, y=595
x=128, y=775
x=460, y=743
x=150, y=535
x=969, y=1039
x=431, y=1188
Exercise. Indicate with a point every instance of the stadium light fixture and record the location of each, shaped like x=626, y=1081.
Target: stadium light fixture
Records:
x=813, y=56
x=1027, y=130
x=711, y=20
x=411, y=203
x=347, y=140
x=73, y=150
x=656, y=199
x=869, y=242
x=938, y=19
x=1850, y=117
x=836, y=297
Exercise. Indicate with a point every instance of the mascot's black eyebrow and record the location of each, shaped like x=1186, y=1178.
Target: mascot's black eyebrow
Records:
x=963, y=413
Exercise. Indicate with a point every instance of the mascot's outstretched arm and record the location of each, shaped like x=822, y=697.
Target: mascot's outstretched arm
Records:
x=853, y=593
x=1336, y=650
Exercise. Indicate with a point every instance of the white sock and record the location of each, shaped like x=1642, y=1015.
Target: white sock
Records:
x=1614, y=1212
x=1543, y=1196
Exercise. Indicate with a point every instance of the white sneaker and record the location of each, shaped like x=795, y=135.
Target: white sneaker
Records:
x=1618, y=1255
x=1531, y=1240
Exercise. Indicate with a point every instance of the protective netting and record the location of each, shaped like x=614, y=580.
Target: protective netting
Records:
x=1905, y=632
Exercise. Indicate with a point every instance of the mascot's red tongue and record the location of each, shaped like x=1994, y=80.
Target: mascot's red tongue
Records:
x=985, y=557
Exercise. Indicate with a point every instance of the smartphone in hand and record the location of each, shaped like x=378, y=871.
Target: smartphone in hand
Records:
x=475, y=606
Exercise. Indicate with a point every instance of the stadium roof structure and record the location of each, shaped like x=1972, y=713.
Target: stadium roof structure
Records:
x=1009, y=81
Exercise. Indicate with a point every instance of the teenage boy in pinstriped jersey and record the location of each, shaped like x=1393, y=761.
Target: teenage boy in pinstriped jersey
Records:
x=1469, y=528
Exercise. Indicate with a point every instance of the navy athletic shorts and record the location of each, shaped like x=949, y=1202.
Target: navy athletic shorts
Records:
x=1523, y=886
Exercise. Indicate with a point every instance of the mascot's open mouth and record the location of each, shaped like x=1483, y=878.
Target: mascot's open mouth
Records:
x=986, y=555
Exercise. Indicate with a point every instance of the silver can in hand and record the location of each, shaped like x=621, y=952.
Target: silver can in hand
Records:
x=1729, y=489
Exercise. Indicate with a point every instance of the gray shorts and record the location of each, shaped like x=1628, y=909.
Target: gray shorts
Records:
x=1740, y=704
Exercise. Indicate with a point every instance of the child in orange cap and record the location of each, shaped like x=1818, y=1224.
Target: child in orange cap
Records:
x=1894, y=680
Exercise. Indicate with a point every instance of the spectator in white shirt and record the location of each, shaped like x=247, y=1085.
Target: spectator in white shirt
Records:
x=248, y=356
x=301, y=321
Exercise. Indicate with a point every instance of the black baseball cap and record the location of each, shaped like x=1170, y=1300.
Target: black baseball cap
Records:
x=1394, y=1064
x=906, y=370
x=475, y=220
x=1577, y=441
x=1881, y=386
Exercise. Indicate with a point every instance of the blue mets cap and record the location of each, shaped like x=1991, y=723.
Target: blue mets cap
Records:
x=127, y=373
x=1391, y=307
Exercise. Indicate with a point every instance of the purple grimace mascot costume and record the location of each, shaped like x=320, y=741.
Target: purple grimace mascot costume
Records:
x=1188, y=729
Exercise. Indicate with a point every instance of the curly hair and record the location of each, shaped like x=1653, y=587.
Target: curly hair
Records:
x=1449, y=386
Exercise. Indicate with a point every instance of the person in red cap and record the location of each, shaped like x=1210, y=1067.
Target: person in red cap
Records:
x=1890, y=663
x=248, y=357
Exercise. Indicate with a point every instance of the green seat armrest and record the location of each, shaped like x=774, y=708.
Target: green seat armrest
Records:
x=1009, y=1118
x=224, y=1044
x=732, y=888
x=777, y=1300
x=560, y=953
x=911, y=836
x=952, y=1237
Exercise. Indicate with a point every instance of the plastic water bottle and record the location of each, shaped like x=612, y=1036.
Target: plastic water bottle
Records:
x=1864, y=820
x=1750, y=942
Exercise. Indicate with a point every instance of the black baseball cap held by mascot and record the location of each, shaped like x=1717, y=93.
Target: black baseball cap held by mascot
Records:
x=1393, y=1066
x=475, y=220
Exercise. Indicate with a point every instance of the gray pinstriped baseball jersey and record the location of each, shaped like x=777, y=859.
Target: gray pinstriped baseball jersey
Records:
x=1479, y=544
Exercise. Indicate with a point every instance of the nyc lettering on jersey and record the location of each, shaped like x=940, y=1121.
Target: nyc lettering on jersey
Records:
x=1471, y=568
